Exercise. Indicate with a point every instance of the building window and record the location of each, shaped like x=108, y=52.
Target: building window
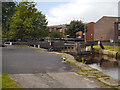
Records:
x=118, y=37
x=60, y=30
x=55, y=29
x=118, y=26
x=50, y=30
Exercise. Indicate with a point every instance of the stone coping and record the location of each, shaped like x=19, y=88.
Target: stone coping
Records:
x=108, y=52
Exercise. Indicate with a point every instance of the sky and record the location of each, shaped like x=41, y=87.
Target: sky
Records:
x=63, y=11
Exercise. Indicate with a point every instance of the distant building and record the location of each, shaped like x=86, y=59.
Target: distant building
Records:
x=106, y=28
x=90, y=31
x=58, y=28
x=79, y=34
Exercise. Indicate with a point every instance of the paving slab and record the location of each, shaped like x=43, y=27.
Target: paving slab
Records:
x=73, y=80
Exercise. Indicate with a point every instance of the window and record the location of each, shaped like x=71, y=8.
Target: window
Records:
x=118, y=37
x=50, y=30
x=118, y=26
x=55, y=29
x=60, y=30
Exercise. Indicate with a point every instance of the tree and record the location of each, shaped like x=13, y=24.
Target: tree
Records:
x=27, y=22
x=74, y=27
x=56, y=34
x=8, y=9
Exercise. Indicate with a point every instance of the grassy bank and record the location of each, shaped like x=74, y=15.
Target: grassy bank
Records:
x=112, y=48
x=7, y=82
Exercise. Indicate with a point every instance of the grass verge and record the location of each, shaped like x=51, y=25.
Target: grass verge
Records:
x=7, y=82
x=112, y=48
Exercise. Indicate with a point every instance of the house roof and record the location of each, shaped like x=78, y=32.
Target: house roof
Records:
x=58, y=26
x=116, y=19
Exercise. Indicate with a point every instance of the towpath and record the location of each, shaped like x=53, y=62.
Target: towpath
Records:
x=33, y=68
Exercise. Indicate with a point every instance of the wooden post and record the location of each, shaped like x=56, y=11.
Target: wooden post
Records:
x=101, y=45
x=77, y=48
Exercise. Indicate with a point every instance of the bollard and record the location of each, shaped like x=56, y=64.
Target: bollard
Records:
x=34, y=45
x=10, y=43
x=38, y=46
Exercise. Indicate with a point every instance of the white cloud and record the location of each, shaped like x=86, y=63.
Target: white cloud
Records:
x=85, y=10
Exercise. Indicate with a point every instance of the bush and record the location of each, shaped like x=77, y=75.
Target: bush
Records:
x=56, y=34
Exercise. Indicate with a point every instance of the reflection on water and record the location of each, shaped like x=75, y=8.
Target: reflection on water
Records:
x=103, y=63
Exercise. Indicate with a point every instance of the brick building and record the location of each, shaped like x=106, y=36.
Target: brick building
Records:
x=58, y=28
x=79, y=34
x=90, y=31
x=117, y=30
x=107, y=29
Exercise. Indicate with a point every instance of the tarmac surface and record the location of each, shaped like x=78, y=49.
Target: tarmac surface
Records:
x=31, y=68
x=23, y=60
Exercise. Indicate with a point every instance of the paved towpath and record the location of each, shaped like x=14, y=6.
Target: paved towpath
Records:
x=31, y=68
x=24, y=60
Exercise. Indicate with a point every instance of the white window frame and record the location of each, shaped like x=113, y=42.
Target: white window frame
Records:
x=118, y=37
x=50, y=30
x=60, y=30
x=118, y=26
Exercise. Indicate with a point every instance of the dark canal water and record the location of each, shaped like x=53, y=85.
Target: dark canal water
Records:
x=108, y=65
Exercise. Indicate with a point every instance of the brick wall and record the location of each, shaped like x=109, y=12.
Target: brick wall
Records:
x=90, y=31
x=104, y=28
x=117, y=31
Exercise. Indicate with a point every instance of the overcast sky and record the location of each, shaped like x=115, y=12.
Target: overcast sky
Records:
x=63, y=11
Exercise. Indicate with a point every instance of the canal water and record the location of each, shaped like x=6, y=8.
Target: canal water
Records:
x=108, y=65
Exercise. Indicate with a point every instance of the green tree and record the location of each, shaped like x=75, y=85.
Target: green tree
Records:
x=74, y=27
x=55, y=34
x=27, y=22
x=8, y=9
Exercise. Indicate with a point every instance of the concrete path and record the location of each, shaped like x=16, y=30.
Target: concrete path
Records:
x=55, y=80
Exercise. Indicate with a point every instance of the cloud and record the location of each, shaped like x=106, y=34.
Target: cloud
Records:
x=85, y=10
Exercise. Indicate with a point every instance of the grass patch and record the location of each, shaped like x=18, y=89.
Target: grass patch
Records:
x=0, y=82
x=7, y=82
x=74, y=64
x=79, y=67
x=112, y=48
x=76, y=71
x=102, y=76
x=93, y=69
x=51, y=77
x=95, y=73
x=79, y=73
x=106, y=83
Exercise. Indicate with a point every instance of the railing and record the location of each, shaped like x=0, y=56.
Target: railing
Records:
x=62, y=46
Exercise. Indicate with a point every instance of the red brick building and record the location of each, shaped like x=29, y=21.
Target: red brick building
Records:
x=117, y=31
x=90, y=31
x=79, y=34
x=58, y=28
x=107, y=29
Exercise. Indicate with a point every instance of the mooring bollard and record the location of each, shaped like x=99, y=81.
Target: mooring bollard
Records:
x=10, y=43
x=38, y=46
